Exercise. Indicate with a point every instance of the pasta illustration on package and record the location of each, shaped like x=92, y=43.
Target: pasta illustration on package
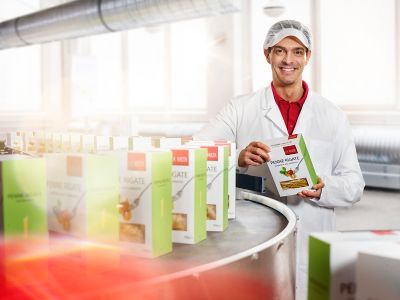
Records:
x=290, y=165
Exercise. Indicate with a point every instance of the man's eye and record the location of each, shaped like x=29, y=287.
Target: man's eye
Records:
x=278, y=51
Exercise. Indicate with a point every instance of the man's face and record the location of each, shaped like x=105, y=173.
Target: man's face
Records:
x=287, y=59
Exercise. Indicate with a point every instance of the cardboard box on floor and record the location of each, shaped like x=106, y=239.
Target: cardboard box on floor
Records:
x=145, y=208
x=332, y=261
x=83, y=195
x=378, y=273
x=290, y=165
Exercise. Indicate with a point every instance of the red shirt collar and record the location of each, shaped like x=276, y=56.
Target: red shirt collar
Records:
x=299, y=102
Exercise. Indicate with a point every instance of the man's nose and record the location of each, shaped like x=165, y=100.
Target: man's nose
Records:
x=288, y=57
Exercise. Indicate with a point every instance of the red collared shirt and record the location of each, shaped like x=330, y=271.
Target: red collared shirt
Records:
x=290, y=110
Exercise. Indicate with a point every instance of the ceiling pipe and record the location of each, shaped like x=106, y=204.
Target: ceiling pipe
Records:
x=89, y=17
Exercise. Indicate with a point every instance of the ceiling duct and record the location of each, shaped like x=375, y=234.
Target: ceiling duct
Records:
x=90, y=17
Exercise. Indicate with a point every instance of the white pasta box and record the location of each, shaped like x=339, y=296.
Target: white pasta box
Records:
x=102, y=143
x=88, y=143
x=31, y=142
x=65, y=142
x=119, y=143
x=332, y=261
x=15, y=140
x=57, y=142
x=290, y=165
x=48, y=142
x=378, y=273
x=145, y=208
x=217, y=184
x=168, y=142
x=140, y=143
x=231, y=177
x=189, y=195
x=75, y=142
x=83, y=193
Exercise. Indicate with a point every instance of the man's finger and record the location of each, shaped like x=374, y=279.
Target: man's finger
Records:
x=262, y=146
x=256, y=158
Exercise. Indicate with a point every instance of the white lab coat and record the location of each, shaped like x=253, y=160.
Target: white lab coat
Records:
x=326, y=130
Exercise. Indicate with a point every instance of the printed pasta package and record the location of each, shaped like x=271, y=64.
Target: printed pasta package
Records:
x=290, y=165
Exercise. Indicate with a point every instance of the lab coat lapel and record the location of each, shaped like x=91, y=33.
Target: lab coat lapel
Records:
x=272, y=111
x=305, y=117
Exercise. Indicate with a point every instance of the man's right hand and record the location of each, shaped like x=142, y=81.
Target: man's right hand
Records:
x=255, y=154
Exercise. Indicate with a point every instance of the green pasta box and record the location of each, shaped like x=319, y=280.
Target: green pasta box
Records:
x=23, y=209
x=290, y=165
x=83, y=194
x=332, y=261
x=189, y=195
x=146, y=202
x=217, y=184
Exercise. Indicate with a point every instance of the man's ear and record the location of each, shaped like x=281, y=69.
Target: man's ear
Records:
x=267, y=53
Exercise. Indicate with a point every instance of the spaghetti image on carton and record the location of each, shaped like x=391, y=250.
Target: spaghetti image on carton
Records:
x=290, y=165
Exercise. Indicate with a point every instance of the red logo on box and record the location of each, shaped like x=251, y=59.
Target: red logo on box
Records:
x=293, y=136
x=290, y=150
x=382, y=232
x=212, y=153
x=180, y=157
x=137, y=161
x=74, y=166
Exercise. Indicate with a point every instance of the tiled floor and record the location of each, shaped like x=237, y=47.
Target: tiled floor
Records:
x=378, y=209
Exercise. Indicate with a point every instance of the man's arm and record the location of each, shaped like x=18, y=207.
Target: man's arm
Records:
x=345, y=185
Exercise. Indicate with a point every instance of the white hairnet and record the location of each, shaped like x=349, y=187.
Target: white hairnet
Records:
x=286, y=28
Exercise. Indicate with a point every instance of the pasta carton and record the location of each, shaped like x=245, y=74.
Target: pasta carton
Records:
x=145, y=208
x=15, y=140
x=378, y=273
x=290, y=165
x=23, y=201
x=332, y=261
x=189, y=190
x=217, y=184
x=82, y=194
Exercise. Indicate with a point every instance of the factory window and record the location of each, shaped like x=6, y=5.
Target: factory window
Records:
x=20, y=69
x=96, y=75
x=358, y=47
x=167, y=67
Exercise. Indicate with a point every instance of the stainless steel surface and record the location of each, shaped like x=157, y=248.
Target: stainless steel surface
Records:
x=89, y=17
x=378, y=151
x=258, y=251
x=377, y=144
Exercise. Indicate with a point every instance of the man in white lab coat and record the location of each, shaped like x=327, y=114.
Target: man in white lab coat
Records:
x=287, y=107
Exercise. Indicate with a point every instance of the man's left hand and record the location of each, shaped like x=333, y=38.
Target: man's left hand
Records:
x=315, y=193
